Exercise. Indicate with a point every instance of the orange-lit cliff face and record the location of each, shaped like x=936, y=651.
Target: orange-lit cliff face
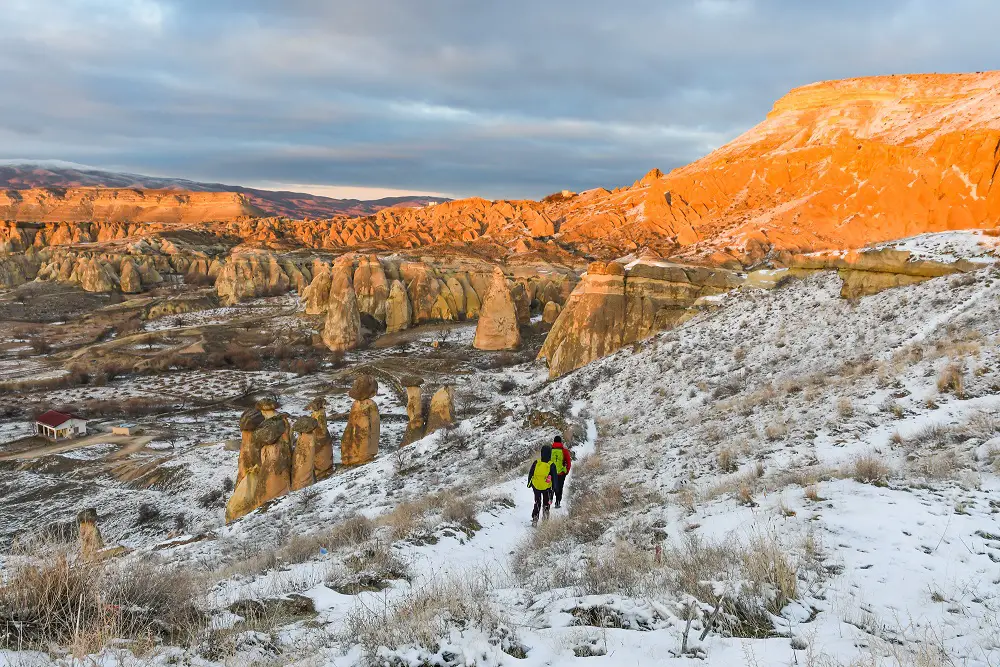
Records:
x=121, y=205
x=836, y=164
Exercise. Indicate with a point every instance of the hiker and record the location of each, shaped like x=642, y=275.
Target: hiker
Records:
x=562, y=461
x=540, y=482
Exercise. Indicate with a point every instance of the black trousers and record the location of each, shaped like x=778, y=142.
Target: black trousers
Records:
x=541, y=498
x=557, y=486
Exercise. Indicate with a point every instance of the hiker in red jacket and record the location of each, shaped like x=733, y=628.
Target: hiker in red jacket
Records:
x=562, y=462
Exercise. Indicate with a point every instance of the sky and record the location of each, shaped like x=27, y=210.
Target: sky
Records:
x=511, y=99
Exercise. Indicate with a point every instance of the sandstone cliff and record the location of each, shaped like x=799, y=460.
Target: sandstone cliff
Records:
x=613, y=306
x=122, y=205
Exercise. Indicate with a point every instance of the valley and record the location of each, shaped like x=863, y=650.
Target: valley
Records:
x=308, y=438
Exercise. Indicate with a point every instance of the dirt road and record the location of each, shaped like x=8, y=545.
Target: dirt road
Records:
x=131, y=444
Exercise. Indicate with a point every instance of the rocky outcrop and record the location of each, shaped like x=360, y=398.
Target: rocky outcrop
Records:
x=113, y=205
x=414, y=410
x=497, y=328
x=360, y=441
x=342, y=328
x=371, y=288
x=868, y=272
x=17, y=269
x=244, y=276
x=91, y=542
x=398, y=313
x=266, y=464
x=612, y=307
x=551, y=312
x=317, y=294
x=442, y=410
x=304, y=454
x=130, y=280
x=249, y=459
x=323, y=454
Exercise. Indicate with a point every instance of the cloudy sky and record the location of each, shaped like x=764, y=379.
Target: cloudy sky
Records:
x=517, y=98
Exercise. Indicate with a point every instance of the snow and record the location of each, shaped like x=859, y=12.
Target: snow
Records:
x=795, y=384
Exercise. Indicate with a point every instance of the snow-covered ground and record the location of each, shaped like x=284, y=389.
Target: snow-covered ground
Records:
x=788, y=478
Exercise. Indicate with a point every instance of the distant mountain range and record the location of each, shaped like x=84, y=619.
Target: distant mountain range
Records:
x=297, y=205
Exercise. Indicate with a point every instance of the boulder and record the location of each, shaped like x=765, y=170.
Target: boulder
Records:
x=398, y=313
x=91, y=542
x=497, y=328
x=551, y=312
x=342, y=329
x=442, y=411
x=359, y=443
x=365, y=386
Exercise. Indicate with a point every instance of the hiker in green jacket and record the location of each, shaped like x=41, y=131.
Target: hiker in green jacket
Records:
x=540, y=482
x=562, y=461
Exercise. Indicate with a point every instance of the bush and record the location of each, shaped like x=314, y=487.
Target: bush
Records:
x=952, y=379
x=147, y=514
x=869, y=469
x=210, y=498
x=423, y=621
x=52, y=598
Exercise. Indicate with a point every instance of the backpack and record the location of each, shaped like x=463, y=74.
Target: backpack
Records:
x=541, y=478
x=559, y=460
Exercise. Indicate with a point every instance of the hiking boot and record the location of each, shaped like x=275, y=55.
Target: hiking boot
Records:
x=534, y=521
x=545, y=514
x=558, y=505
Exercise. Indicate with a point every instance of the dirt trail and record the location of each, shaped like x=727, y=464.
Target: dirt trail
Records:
x=131, y=444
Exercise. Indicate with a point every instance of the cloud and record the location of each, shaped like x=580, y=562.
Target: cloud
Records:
x=519, y=98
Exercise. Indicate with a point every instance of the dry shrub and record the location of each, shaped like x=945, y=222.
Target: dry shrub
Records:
x=350, y=532
x=845, y=407
x=51, y=597
x=370, y=568
x=413, y=517
x=952, y=379
x=626, y=570
x=869, y=469
x=775, y=430
x=727, y=460
x=424, y=619
x=759, y=579
x=812, y=493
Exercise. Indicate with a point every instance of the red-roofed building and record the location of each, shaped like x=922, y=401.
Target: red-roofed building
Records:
x=60, y=426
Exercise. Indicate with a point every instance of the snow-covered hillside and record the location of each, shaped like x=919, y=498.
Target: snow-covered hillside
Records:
x=788, y=478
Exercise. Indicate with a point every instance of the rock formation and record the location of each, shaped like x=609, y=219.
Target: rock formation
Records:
x=274, y=437
x=611, y=307
x=91, y=542
x=304, y=454
x=360, y=441
x=371, y=287
x=323, y=455
x=342, y=329
x=243, y=276
x=131, y=281
x=270, y=478
x=250, y=420
x=442, y=411
x=414, y=410
x=398, y=313
x=497, y=328
x=551, y=312
x=870, y=271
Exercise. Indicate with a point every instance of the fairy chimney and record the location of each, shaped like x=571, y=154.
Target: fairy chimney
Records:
x=359, y=443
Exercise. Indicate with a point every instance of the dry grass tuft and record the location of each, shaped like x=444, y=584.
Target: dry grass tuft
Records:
x=425, y=617
x=869, y=469
x=727, y=460
x=952, y=378
x=50, y=597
